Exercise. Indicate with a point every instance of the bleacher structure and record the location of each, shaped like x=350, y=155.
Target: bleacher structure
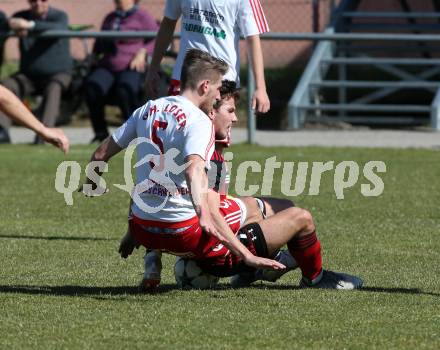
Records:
x=372, y=82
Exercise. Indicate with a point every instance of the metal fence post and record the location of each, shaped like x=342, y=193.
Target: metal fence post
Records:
x=251, y=124
x=435, y=112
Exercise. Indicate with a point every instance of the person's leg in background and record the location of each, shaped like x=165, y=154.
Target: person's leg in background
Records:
x=21, y=86
x=98, y=85
x=50, y=108
x=127, y=88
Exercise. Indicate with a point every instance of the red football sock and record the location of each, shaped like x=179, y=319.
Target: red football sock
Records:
x=307, y=252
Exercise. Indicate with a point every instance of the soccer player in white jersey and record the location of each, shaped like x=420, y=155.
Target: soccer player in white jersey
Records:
x=214, y=26
x=183, y=225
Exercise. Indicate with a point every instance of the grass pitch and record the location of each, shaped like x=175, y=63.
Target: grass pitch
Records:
x=62, y=284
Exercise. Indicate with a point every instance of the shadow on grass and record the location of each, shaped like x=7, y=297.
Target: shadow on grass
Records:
x=78, y=291
x=363, y=289
x=122, y=291
x=57, y=238
x=398, y=290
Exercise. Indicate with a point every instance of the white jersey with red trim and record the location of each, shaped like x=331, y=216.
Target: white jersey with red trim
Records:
x=215, y=26
x=167, y=131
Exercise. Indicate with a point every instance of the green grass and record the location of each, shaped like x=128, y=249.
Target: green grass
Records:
x=64, y=286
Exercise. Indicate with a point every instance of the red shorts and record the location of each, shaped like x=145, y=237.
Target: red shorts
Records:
x=188, y=240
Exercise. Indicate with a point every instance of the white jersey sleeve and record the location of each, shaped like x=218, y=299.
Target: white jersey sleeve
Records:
x=173, y=9
x=251, y=18
x=199, y=139
x=127, y=131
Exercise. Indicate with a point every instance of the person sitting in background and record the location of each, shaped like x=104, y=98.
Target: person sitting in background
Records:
x=3, y=21
x=121, y=65
x=4, y=28
x=45, y=64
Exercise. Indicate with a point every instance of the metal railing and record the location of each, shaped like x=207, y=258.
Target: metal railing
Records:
x=266, y=36
x=315, y=37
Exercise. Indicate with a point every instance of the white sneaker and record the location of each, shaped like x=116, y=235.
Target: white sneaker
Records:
x=246, y=278
x=152, y=271
x=333, y=280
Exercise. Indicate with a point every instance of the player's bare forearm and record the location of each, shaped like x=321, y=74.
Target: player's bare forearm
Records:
x=163, y=40
x=255, y=54
x=197, y=182
x=17, y=111
x=260, y=99
x=12, y=107
x=106, y=150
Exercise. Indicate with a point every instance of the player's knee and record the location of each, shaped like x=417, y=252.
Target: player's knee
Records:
x=304, y=219
x=307, y=218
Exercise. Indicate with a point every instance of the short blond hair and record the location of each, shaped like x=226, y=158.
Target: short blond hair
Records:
x=199, y=65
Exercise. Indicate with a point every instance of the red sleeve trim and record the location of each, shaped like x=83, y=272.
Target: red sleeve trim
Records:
x=259, y=17
x=211, y=142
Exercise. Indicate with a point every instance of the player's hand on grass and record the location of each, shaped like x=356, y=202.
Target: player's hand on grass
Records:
x=260, y=101
x=57, y=138
x=127, y=245
x=92, y=189
x=152, y=83
x=263, y=263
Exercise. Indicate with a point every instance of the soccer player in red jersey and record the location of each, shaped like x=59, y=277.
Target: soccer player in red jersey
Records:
x=262, y=225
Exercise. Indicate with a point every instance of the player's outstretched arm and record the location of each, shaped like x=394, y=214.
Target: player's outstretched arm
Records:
x=197, y=182
x=17, y=111
x=260, y=99
x=106, y=150
x=55, y=137
x=228, y=238
x=163, y=40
